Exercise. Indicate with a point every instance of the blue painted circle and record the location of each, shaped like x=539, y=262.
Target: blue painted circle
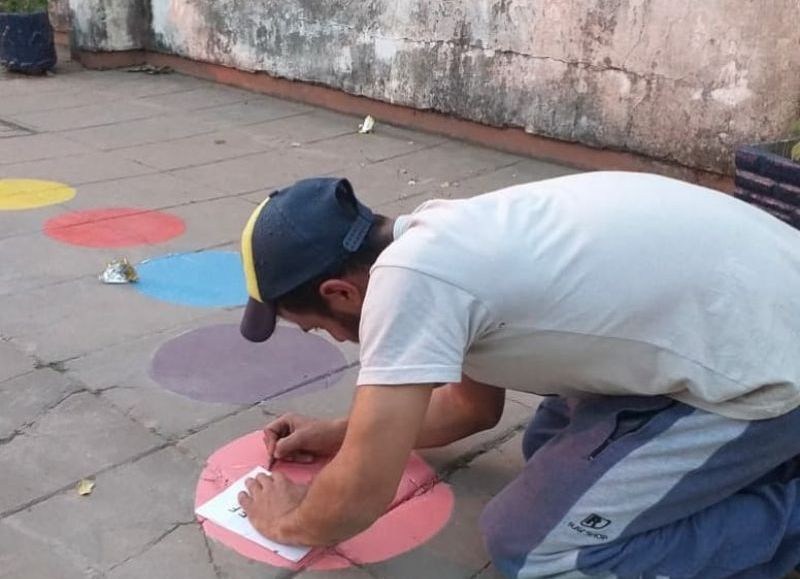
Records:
x=203, y=279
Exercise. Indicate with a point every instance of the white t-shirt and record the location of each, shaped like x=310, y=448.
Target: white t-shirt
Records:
x=607, y=283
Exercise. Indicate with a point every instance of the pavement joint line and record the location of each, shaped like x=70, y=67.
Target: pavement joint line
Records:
x=211, y=561
x=349, y=132
x=308, y=381
x=481, y=570
x=92, y=275
x=91, y=95
x=184, y=325
x=152, y=543
x=76, y=184
x=40, y=159
x=159, y=115
x=234, y=127
x=65, y=550
x=432, y=191
x=130, y=460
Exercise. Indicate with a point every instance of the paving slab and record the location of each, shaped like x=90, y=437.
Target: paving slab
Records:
x=174, y=556
x=202, y=97
x=196, y=150
x=333, y=400
x=256, y=109
x=79, y=437
x=151, y=191
x=76, y=170
x=211, y=223
x=126, y=363
x=76, y=317
x=37, y=147
x=42, y=261
x=24, y=557
x=30, y=396
x=40, y=102
x=312, y=127
x=13, y=362
x=130, y=509
x=230, y=565
x=204, y=443
x=89, y=115
x=157, y=129
x=515, y=417
x=262, y=172
x=423, y=171
x=385, y=143
x=456, y=552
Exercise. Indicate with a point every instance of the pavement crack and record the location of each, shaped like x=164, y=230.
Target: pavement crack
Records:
x=464, y=461
x=210, y=554
x=152, y=543
x=23, y=428
x=480, y=571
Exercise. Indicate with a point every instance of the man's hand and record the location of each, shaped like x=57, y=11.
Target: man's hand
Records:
x=298, y=438
x=267, y=500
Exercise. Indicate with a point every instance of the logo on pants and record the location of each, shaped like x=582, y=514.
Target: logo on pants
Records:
x=595, y=522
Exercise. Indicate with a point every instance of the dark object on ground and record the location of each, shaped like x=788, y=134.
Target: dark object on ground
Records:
x=26, y=42
x=149, y=69
x=767, y=177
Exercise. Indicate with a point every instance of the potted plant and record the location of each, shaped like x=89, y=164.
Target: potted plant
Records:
x=26, y=37
x=768, y=176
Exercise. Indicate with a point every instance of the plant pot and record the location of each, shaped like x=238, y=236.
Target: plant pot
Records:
x=26, y=42
x=767, y=177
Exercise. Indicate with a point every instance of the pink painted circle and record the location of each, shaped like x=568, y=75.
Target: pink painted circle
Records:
x=114, y=227
x=420, y=509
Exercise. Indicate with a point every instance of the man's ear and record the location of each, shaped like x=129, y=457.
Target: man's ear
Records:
x=341, y=295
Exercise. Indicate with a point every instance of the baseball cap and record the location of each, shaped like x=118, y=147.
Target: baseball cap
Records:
x=294, y=235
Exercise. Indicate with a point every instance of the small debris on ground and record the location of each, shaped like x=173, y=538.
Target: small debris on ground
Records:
x=367, y=126
x=149, y=69
x=119, y=271
x=85, y=487
x=220, y=141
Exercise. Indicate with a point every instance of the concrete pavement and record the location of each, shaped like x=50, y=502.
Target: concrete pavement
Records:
x=77, y=398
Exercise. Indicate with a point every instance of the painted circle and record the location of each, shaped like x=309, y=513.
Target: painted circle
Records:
x=215, y=364
x=420, y=509
x=202, y=279
x=114, y=227
x=17, y=194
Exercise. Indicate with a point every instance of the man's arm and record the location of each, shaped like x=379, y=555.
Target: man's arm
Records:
x=359, y=483
x=455, y=412
x=459, y=410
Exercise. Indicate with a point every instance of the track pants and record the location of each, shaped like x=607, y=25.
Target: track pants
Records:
x=649, y=488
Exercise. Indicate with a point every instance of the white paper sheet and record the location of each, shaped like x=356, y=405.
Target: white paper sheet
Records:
x=224, y=510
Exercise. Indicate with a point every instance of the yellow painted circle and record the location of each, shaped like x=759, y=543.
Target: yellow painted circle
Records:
x=18, y=194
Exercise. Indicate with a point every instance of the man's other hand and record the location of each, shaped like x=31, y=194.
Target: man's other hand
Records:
x=297, y=438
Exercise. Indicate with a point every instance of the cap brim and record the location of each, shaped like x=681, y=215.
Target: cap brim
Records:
x=258, y=321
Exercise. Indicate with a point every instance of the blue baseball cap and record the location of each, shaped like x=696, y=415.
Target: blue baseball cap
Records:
x=294, y=235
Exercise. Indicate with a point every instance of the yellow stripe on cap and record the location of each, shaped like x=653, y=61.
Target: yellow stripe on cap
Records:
x=247, y=253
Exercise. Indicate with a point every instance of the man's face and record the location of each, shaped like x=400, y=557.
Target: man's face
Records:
x=343, y=327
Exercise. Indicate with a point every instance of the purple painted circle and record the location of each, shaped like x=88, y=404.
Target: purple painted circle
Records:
x=216, y=364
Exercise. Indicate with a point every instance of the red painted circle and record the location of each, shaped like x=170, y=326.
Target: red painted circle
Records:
x=421, y=508
x=114, y=227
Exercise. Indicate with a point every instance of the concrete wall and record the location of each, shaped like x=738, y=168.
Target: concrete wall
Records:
x=679, y=80
x=110, y=25
x=59, y=15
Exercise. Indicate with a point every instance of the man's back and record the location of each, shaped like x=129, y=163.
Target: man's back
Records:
x=613, y=283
